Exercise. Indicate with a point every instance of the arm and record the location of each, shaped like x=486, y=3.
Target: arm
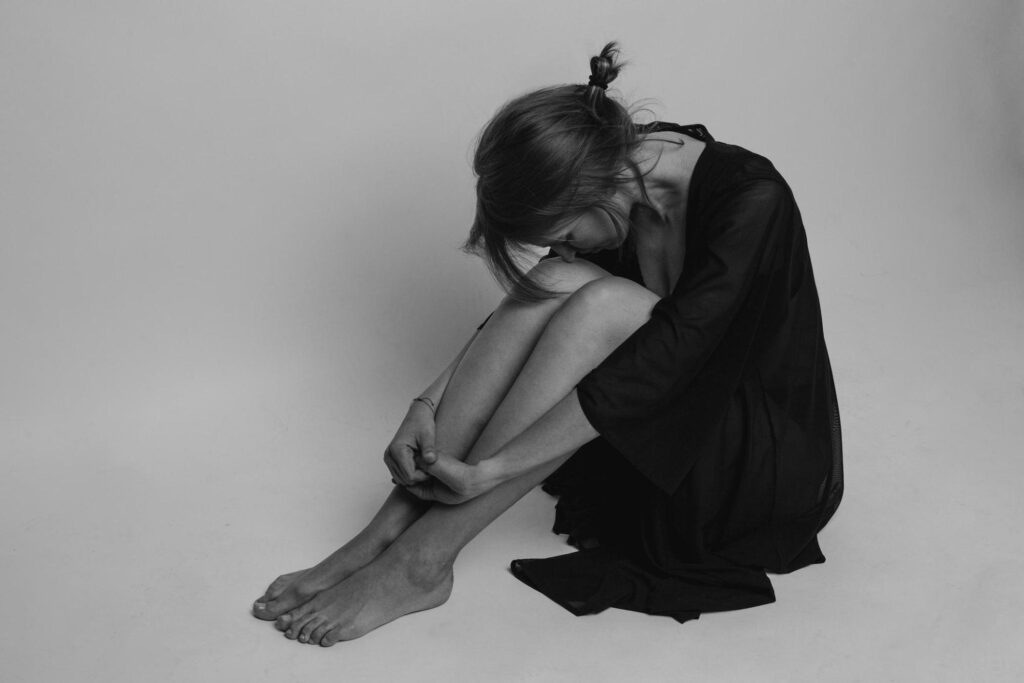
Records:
x=665, y=383
x=663, y=356
x=672, y=379
x=416, y=433
x=554, y=437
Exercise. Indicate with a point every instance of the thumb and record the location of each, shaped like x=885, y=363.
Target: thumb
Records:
x=427, y=446
x=428, y=451
x=446, y=469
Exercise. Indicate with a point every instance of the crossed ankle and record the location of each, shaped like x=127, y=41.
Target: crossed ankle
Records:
x=378, y=543
x=423, y=569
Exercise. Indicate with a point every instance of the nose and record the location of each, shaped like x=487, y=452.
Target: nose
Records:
x=568, y=254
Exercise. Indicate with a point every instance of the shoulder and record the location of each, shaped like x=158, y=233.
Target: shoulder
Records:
x=733, y=163
x=727, y=174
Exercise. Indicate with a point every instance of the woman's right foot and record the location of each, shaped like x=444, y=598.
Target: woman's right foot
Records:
x=289, y=591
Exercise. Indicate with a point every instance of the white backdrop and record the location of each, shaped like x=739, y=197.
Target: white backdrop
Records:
x=229, y=256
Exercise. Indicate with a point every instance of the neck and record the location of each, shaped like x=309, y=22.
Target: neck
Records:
x=666, y=162
x=666, y=167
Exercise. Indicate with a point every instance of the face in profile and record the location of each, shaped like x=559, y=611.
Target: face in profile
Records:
x=593, y=231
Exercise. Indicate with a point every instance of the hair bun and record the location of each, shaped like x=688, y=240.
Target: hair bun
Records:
x=605, y=66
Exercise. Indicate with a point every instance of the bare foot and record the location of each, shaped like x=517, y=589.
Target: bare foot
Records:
x=288, y=591
x=390, y=587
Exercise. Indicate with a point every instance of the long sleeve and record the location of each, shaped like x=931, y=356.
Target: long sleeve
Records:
x=667, y=384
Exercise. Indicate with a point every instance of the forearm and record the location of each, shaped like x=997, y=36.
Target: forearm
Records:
x=558, y=433
x=401, y=508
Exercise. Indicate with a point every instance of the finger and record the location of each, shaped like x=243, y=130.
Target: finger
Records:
x=419, y=476
x=404, y=459
x=446, y=469
x=422, y=491
x=394, y=473
x=387, y=459
x=424, y=459
x=394, y=458
x=427, y=439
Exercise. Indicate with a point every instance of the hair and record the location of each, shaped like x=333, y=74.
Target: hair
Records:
x=547, y=156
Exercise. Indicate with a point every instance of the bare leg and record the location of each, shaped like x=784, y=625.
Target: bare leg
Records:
x=415, y=571
x=483, y=377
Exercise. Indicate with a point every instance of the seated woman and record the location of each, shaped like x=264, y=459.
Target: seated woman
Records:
x=675, y=348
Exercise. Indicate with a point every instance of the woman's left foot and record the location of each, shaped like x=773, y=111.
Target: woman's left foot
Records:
x=384, y=590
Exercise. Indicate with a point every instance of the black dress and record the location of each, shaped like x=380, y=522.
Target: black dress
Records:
x=719, y=456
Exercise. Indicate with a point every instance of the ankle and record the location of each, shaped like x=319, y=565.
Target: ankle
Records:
x=423, y=568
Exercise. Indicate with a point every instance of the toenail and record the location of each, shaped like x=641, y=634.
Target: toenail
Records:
x=260, y=605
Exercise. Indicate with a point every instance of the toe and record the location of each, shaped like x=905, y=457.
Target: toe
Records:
x=267, y=609
x=273, y=590
x=298, y=618
x=285, y=621
x=290, y=600
x=278, y=585
x=306, y=632
x=319, y=632
x=262, y=609
x=331, y=637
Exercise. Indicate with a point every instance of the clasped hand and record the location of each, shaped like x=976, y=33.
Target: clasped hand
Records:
x=424, y=472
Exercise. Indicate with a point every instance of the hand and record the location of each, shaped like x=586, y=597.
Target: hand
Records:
x=414, y=437
x=453, y=481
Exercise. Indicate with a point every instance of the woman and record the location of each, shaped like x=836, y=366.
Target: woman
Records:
x=672, y=341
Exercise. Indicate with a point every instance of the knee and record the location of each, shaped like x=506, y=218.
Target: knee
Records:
x=609, y=294
x=609, y=303
x=560, y=277
x=566, y=278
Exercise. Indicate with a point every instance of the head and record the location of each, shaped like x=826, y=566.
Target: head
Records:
x=551, y=161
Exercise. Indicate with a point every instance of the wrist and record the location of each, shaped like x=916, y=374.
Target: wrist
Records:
x=424, y=401
x=493, y=471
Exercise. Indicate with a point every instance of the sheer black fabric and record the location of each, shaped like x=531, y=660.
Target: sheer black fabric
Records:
x=719, y=456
